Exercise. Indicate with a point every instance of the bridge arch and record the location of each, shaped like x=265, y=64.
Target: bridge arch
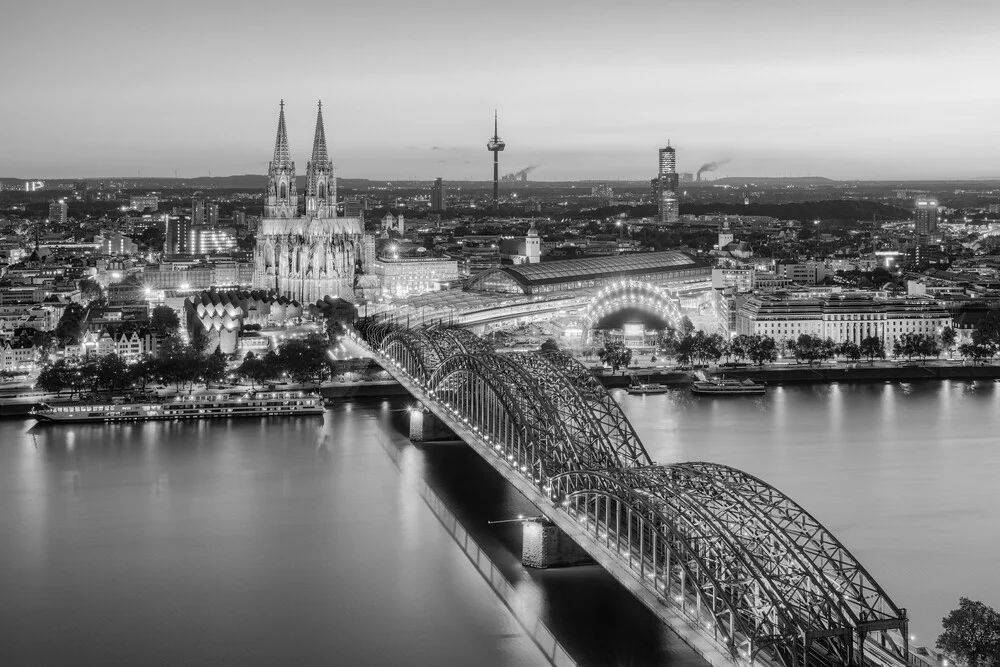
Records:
x=639, y=295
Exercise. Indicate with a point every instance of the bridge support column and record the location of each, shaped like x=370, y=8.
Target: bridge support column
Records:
x=544, y=545
x=424, y=426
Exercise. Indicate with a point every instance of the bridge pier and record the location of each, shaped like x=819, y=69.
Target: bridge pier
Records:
x=424, y=426
x=545, y=545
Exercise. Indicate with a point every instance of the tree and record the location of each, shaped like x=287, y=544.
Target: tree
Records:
x=976, y=351
x=550, y=345
x=687, y=326
x=54, y=377
x=213, y=369
x=256, y=369
x=90, y=290
x=615, y=354
x=971, y=634
x=164, y=321
x=763, y=349
x=740, y=346
x=70, y=327
x=335, y=330
x=305, y=359
x=988, y=330
x=948, y=338
x=872, y=348
x=850, y=350
x=111, y=372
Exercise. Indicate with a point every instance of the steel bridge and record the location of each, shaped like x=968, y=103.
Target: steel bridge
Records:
x=741, y=571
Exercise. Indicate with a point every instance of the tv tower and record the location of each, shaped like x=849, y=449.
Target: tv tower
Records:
x=496, y=145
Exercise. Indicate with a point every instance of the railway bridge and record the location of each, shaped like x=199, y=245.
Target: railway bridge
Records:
x=739, y=570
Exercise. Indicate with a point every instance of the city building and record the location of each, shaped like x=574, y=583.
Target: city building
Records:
x=142, y=202
x=573, y=274
x=219, y=316
x=405, y=276
x=58, y=211
x=81, y=191
x=305, y=257
x=393, y=223
x=115, y=244
x=439, y=196
x=522, y=250
x=211, y=239
x=665, y=186
x=841, y=317
x=177, y=236
x=925, y=217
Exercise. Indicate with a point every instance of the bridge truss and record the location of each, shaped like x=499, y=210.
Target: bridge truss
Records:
x=735, y=557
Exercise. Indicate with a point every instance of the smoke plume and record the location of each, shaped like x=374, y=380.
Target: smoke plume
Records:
x=710, y=166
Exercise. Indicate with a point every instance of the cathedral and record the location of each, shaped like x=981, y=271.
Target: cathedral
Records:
x=305, y=256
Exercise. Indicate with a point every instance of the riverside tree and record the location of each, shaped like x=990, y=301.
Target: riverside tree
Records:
x=616, y=354
x=971, y=634
x=872, y=349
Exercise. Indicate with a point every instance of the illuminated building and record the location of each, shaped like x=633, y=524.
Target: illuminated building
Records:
x=406, y=276
x=841, y=317
x=665, y=186
x=925, y=216
x=142, y=202
x=310, y=256
x=58, y=211
x=208, y=240
x=177, y=237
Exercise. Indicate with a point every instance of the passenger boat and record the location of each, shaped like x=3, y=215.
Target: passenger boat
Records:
x=724, y=387
x=196, y=406
x=642, y=388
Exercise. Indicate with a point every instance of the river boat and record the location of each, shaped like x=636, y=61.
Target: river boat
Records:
x=724, y=387
x=643, y=388
x=195, y=406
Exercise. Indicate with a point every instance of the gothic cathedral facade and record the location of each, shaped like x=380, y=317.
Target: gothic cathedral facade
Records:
x=305, y=256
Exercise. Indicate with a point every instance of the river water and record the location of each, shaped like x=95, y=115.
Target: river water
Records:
x=300, y=541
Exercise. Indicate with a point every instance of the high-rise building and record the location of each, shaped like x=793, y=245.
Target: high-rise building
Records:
x=439, y=196
x=665, y=185
x=198, y=211
x=178, y=237
x=57, y=212
x=209, y=239
x=925, y=216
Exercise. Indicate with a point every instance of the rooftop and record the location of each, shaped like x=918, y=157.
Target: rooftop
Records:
x=617, y=266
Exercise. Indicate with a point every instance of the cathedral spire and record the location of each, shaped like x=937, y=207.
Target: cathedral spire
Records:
x=319, y=154
x=321, y=183
x=282, y=156
x=281, y=200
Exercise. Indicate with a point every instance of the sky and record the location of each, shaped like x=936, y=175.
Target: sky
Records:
x=879, y=89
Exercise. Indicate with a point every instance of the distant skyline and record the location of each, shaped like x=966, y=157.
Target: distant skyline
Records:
x=885, y=90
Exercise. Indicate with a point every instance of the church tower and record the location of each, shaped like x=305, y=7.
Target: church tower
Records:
x=321, y=183
x=282, y=200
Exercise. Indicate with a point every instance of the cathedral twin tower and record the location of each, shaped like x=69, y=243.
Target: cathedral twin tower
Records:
x=307, y=256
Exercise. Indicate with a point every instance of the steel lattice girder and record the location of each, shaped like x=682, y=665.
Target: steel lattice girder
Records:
x=690, y=562
x=547, y=442
x=593, y=409
x=861, y=596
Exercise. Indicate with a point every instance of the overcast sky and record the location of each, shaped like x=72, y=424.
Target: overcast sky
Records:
x=877, y=89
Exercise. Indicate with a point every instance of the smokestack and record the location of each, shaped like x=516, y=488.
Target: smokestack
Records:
x=710, y=166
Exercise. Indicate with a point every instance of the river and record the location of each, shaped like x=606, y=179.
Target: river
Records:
x=300, y=541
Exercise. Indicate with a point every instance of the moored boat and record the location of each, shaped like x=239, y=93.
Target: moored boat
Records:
x=724, y=387
x=196, y=406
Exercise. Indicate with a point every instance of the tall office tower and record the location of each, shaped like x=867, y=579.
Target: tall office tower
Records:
x=240, y=219
x=925, y=216
x=211, y=213
x=666, y=185
x=57, y=212
x=439, y=196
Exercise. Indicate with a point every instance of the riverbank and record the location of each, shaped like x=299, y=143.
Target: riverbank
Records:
x=860, y=372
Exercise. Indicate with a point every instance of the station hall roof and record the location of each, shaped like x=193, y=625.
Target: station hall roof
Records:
x=596, y=268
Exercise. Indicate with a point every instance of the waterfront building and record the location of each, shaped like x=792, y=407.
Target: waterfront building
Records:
x=219, y=316
x=841, y=317
x=18, y=355
x=305, y=257
x=406, y=276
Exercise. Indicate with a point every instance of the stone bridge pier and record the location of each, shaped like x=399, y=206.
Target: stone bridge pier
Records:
x=425, y=427
x=545, y=545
